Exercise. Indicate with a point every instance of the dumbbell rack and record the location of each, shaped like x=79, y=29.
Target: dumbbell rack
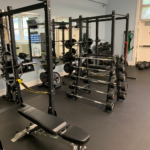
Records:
x=120, y=94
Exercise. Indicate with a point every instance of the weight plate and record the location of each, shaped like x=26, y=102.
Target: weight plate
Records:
x=68, y=68
x=57, y=79
x=110, y=106
x=44, y=77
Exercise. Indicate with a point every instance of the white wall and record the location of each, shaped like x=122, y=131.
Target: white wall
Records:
x=121, y=7
x=68, y=8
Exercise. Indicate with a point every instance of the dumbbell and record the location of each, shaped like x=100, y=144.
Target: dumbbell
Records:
x=122, y=95
x=122, y=77
x=122, y=68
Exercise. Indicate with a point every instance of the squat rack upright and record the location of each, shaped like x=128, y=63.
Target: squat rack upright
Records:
x=63, y=25
x=10, y=12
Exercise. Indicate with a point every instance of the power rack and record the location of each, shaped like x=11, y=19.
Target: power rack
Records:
x=45, y=4
x=112, y=17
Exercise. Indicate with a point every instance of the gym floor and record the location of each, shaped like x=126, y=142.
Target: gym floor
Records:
x=126, y=128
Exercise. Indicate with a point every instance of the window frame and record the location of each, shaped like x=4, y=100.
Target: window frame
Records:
x=142, y=6
x=22, y=29
x=17, y=16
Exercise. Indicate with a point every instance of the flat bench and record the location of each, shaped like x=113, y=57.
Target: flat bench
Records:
x=52, y=125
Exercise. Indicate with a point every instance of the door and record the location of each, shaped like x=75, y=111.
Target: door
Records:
x=144, y=42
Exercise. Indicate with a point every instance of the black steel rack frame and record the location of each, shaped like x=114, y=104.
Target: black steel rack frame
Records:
x=45, y=4
x=54, y=24
x=80, y=20
x=112, y=17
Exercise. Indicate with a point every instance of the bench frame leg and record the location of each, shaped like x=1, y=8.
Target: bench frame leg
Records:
x=34, y=130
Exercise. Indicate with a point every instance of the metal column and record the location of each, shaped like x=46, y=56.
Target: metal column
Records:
x=14, y=56
x=97, y=32
x=113, y=32
x=51, y=92
x=126, y=36
x=80, y=35
x=30, y=47
x=53, y=30
x=63, y=42
x=3, y=44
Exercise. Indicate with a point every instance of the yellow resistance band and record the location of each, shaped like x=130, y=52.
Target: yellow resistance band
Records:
x=29, y=89
x=39, y=65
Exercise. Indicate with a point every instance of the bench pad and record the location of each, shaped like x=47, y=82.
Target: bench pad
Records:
x=76, y=135
x=47, y=122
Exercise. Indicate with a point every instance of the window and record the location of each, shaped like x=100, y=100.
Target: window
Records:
x=21, y=25
x=145, y=10
x=16, y=27
x=25, y=28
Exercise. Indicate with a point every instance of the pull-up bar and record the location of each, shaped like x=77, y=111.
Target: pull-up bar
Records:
x=23, y=9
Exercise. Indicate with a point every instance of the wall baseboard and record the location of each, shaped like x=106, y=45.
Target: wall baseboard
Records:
x=30, y=84
x=131, y=63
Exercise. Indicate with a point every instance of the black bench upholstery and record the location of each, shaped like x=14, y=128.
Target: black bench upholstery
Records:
x=49, y=123
x=54, y=125
x=76, y=135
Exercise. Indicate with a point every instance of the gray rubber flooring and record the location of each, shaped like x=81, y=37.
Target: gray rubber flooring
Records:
x=126, y=128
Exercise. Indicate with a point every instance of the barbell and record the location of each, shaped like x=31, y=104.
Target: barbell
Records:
x=87, y=80
x=68, y=68
x=110, y=94
x=109, y=105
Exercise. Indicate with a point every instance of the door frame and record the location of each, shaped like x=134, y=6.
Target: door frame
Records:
x=136, y=34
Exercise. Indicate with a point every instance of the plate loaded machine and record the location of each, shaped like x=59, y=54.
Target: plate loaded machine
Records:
x=44, y=75
x=116, y=78
x=51, y=126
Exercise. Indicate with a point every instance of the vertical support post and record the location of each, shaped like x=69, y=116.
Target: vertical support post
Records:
x=79, y=60
x=70, y=37
x=87, y=47
x=118, y=82
x=51, y=109
x=97, y=38
x=63, y=42
x=87, y=34
x=14, y=56
x=126, y=36
x=3, y=44
x=53, y=30
x=113, y=32
x=97, y=32
x=80, y=34
x=30, y=47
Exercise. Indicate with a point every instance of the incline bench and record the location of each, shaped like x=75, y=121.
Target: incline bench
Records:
x=52, y=126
